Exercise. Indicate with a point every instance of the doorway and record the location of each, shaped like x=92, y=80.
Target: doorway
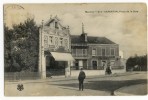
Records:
x=55, y=68
x=94, y=64
x=77, y=65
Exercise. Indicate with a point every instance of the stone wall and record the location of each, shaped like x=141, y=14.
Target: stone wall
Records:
x=95, y=72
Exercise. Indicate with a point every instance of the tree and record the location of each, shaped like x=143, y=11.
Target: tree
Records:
x=8, y=36
x=138, y=63
x=24, y=46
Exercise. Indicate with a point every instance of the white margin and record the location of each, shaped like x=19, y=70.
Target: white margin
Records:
x=2, y=97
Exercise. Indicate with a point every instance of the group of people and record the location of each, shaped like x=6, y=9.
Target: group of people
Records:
x=108, y=69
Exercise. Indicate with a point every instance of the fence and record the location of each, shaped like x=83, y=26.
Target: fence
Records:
x=21, y=75
x=37, y=75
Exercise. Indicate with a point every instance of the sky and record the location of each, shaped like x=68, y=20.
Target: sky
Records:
x=125, y=24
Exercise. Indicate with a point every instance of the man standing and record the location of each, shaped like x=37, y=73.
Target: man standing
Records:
x=81, y=78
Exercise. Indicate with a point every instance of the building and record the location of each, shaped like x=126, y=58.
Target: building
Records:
x=59, y=51
x=94, y=52
x=54, y=48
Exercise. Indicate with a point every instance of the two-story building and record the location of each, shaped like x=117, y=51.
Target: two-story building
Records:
x=54, y=48
x=93, y=52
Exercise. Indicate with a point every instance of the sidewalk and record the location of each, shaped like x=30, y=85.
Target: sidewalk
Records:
x=69, y=78
x=132, y=90
x=102, y=85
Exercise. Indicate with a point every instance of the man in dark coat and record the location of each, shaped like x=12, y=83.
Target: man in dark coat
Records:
x=81, y=78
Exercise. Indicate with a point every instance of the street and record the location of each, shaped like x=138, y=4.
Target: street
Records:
x=104, y=85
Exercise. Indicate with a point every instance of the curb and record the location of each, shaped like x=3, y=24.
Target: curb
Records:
x=119, y=93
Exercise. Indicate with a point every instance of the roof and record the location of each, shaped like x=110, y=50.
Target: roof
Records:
x=54, y=19
x=90, y=40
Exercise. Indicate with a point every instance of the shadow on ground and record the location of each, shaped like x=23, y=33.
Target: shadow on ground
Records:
x=107, y=85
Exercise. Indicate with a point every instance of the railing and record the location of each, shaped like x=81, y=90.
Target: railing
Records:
x=32, y=75
x=80, y=55
x=104, y=55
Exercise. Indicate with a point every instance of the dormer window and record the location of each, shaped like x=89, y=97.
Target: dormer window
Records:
x=56, y=25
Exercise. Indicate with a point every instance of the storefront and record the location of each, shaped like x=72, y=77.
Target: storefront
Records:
x=60, y=63
x=54, y=48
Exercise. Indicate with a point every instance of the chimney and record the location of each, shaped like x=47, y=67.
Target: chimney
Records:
x=84, y=35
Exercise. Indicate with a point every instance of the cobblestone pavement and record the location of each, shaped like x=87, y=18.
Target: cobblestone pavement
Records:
x=60, y=86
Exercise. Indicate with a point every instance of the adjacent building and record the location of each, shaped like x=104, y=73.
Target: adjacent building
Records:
x=93, y=52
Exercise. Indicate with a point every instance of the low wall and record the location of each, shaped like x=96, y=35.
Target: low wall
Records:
x=95, y=72
x=36, y=75
x=21, y=75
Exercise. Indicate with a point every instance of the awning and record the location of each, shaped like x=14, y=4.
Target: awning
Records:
x=62, y=56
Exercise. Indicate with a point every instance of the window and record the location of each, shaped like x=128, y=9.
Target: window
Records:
x=99, y=51
x=45, y=41
x=94, y=52
x=84, y=52
x=66, y=43
x=61, y=41
x=103, y=52
x=112, y=52
x=50, y=39
x=79, y=52
x=56, y=41
x=73, y=52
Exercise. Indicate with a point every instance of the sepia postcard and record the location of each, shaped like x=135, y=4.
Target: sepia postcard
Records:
x=75, y=49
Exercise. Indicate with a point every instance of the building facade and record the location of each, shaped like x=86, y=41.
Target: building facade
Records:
x=54, y=48
x=94, y=52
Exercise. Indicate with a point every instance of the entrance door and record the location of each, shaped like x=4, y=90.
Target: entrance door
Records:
x=54, y=68
x=94, y=64
x=77, y=65
x=85, y=64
